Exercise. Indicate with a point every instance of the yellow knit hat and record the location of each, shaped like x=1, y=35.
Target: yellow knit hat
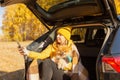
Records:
x=65, y=31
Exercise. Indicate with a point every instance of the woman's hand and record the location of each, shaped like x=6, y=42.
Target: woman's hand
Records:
x=23, y=51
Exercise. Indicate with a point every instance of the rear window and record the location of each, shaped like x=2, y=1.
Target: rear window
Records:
x=78, y=35
x=47, y=4
x=88, y=36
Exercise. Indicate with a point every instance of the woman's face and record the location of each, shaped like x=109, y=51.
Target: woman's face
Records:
x=60, y=39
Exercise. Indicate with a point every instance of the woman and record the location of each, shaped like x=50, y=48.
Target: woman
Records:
x=59, y=58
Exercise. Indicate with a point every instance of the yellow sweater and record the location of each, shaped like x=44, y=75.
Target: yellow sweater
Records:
x=48, y=53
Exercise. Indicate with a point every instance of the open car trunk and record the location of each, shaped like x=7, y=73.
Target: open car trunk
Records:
x=88, y=39
x=81, y=15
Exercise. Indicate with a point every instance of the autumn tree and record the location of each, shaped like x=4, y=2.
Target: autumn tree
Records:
x=20, y=24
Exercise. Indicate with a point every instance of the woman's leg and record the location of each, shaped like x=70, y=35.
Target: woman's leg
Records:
x=32, y=73
x=59, y=75
x=49, y=71
x=46, y=70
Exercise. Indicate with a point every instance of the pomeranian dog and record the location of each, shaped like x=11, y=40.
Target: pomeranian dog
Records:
x=62, y=58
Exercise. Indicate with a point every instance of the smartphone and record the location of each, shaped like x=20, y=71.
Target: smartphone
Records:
x=19, y=45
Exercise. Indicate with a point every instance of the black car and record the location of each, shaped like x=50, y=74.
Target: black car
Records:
x=95, y=31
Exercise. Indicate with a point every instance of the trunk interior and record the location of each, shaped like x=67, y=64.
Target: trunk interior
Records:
x=89, y=62
x=90, y=47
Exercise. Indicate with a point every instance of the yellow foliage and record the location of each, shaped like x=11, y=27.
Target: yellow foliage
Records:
x=117, y=4
x=19, y=23
x=17, y=37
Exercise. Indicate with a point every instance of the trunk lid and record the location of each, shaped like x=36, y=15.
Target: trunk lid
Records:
x=69, y=11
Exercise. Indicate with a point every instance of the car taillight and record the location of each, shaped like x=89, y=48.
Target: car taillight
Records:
x=111, y=64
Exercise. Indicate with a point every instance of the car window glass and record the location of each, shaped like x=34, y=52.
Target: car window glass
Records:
x=89, y=36
x=95, y=37
x=46, y=4
x=115, y=47
x=78, y=34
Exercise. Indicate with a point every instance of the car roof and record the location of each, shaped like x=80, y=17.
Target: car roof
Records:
x=68, y=11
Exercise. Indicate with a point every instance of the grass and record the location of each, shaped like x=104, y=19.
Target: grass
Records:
x=11, y=62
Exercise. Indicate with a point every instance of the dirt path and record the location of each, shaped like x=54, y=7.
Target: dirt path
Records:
x=11, y=62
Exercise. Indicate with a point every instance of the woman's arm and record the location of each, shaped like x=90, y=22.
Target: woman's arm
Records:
x=43, y=55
